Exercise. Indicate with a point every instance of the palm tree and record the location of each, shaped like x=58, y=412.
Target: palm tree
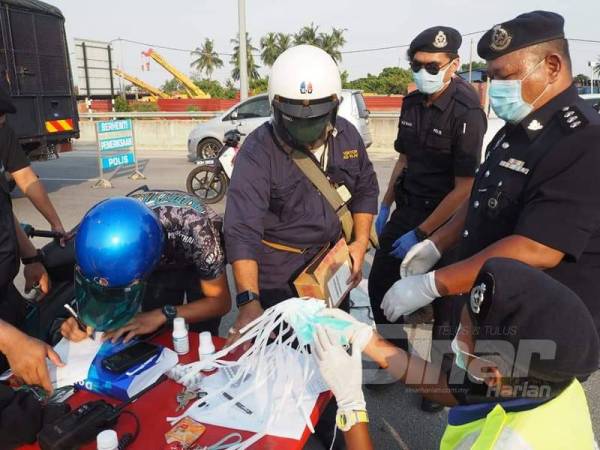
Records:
x=235, y=59
x=207, y=59
x=333, y=42
x=269, y=49
x=284, y=41
x=308, y=35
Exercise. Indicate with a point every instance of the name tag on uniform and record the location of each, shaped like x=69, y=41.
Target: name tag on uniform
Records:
x=516, y=165
x=350, y=154
x=344, y=193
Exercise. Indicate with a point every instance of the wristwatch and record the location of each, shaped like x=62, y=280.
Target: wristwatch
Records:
x=245, y=297
x=38, y=258
x=170, y=313
x=421, y=235
x=347, y=419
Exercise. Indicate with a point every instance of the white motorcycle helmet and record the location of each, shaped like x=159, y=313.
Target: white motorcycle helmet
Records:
x=305, y=90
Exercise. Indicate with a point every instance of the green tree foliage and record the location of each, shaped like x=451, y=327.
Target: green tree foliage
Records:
x=391, y=80
x=476, y=65
x=207, y=59
x=235, y=59
x=581, y=79
x=332, y=42
x=259, y=85
x=171, y=86
x=121, y=104
x=272, y=45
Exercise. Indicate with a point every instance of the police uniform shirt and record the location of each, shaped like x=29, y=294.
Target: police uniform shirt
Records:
x=270, y=198
x=12, y=158
x=541, y=180
x=441, y=141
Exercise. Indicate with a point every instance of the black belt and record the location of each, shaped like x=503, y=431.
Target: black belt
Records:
x=405, y=199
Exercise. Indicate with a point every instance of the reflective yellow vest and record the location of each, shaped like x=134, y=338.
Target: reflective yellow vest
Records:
x=560, y=424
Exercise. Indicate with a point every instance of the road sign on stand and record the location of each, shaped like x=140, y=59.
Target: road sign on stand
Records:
x=116, y=149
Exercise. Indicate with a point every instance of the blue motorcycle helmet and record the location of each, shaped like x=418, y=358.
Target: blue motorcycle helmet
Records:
x=118, y=244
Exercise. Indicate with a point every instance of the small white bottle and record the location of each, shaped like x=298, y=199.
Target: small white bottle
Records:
x=107, y=440
x=206, y=346
x=181, y=341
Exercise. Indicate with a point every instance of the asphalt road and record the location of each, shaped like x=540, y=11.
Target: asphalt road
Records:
x=396, y=420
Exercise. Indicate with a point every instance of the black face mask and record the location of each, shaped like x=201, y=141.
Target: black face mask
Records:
x=304, y=126
x=306, y=132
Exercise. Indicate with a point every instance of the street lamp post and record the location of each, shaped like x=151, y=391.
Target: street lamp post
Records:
x=243, y=59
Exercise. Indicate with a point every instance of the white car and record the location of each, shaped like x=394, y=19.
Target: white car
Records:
x=207, y=138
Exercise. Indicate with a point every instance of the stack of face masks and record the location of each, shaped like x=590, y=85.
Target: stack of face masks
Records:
x=284, y=361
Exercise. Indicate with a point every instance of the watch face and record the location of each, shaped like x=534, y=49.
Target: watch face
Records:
x=170, y=311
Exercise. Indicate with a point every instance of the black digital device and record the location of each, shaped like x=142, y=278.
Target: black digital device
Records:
x=84, y=423
x=129, y=357
x=79, y=426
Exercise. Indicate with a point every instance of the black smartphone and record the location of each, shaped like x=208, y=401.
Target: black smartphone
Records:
x=129, y=357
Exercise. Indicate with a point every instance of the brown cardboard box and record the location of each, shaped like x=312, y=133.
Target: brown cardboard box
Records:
x=326, y=275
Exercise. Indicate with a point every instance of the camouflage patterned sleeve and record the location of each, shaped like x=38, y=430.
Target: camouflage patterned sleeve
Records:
x=205, y=249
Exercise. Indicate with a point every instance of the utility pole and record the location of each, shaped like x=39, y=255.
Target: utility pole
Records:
x=592, y=67
x=243, y=59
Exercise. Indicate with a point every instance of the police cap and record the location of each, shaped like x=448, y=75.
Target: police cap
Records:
x=435, y=40
x=515, y=303
x=6, y=104
x=527, y=29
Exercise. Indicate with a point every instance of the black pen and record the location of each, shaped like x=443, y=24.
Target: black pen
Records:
x=81, y=325
x=238, y=404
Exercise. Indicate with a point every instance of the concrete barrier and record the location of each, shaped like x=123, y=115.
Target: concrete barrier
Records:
x=172, y=135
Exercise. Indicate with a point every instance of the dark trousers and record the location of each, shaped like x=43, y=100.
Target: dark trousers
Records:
x=170, y=287
x=386, y=271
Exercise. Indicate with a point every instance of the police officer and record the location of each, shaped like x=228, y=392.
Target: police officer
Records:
x=16, y=164
x=440, y=134
x=25, y=355
x=275, y=218
x=535, y=197
x=518, y=366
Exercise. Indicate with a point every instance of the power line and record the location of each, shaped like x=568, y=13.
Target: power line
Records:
x=346, y=52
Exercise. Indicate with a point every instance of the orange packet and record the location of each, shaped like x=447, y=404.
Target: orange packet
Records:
x=185, y=432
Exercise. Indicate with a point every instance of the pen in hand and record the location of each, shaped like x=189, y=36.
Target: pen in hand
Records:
x=81, y=325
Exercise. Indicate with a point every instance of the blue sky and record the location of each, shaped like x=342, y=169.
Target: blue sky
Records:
x=374, y=23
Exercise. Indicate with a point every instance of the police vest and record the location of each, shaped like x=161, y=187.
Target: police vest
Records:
x=559, y=424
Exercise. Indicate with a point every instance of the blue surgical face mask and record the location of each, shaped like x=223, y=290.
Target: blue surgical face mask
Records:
x=460, y=356
x=427, y=83
x=506, y=98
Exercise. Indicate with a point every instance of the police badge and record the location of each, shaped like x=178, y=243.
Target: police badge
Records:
x=500, y=39
x=477, y=296
x=440, y=40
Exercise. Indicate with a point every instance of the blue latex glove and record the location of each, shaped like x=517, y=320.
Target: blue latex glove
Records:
x=382, y=218
x=403, y=244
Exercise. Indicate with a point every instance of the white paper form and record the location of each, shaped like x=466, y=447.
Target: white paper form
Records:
x=338, y=284
x=77, y=356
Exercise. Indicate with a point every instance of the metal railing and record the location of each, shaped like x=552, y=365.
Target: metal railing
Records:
x=194, y=115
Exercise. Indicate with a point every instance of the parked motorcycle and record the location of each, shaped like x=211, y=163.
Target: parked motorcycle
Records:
x=210, y=178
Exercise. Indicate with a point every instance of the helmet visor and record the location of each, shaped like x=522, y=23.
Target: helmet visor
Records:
x=104, y=308
x=306, y=131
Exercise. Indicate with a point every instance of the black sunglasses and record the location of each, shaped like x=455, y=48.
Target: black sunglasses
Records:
x=432, y=68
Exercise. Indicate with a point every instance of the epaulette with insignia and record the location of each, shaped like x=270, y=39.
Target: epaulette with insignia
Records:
x=571, y=118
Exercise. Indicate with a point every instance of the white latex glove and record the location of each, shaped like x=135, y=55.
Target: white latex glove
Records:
x=420, y=258
x=409, y=294
x=342, y=372
x=357, y=333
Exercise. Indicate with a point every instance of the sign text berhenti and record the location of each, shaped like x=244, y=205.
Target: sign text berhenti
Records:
x=116, y=147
